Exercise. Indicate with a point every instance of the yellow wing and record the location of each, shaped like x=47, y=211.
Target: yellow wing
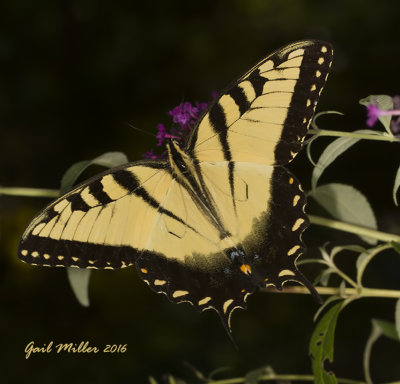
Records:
x=264, y=116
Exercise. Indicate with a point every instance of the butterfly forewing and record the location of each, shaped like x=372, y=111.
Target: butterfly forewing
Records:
x=264, y=116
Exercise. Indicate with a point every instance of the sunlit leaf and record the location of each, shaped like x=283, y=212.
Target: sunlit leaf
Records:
x=396, y=187
x=152, y=380
x=333, y=151
x=321, y=346
x=108, y=160
x=347, y=204
x=79, y=281
x=384, y=102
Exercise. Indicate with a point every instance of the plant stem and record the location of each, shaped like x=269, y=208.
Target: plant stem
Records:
x=378, y=137
x=276, y=377
x=363, y=292
x=351, y=228
x=29, y=192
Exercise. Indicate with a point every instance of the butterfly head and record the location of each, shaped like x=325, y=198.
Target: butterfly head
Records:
x=179, y=161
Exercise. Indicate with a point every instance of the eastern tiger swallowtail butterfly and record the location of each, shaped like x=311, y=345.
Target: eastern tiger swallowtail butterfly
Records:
x=220, y=216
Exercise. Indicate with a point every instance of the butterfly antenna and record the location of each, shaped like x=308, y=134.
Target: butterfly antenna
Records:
x=140, y=130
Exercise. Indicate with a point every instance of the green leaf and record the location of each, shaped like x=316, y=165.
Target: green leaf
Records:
x=374, y=335
x=332, y=152
x=396, y=187
x=308, y=150
x=329, y=300
x=347, y=204
x=365, y=258
x=321, y=346
x=384, y=102
x=353, y=248
x=108, y=160
x=379, y=327
x=318, y=114
x=79, y=281
x=386, y=328
x=254, y=377
x=397, y=318
x=396, y=246
x=152, y=380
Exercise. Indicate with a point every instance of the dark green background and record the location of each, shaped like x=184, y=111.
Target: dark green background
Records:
x=73, y=73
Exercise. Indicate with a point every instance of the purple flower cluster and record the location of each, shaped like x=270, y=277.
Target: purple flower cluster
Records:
x=184, y=118
x=374, y=112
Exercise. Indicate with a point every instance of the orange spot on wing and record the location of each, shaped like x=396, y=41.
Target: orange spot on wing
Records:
x=245, y=268
x=144, y=270
x=291, y=180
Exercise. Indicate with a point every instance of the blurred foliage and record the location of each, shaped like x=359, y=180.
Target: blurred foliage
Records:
x=74, y=74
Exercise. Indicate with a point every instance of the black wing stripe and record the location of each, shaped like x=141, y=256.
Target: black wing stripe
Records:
x=240, y=99
x=77, y=204
x=130, y=182
x=97, y=190
x=257, y=82
x=218, y=122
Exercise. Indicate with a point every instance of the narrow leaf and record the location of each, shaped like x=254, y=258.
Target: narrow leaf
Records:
x=329, y=300
x=379, y=327
x=353, y=248
x=79, y=281
x=347, y=204
x=396, y=187
x=152, y=380
x=332, y=152
x=321, y=346
x=318, y=114
x=397, y=318
x=386, y=328
x=374, y=335
x=108, y=160
x=308, y=150
x=396, y=246
x=384, y=102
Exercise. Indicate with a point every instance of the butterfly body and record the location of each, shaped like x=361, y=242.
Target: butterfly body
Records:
x=220, y=216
